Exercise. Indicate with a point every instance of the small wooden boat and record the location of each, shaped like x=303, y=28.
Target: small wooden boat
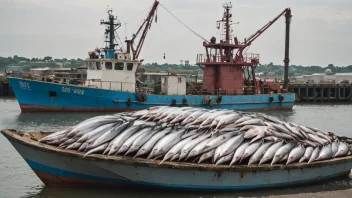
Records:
x=55, y=166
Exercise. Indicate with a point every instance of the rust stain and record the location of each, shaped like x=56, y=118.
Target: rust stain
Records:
x=242, y=174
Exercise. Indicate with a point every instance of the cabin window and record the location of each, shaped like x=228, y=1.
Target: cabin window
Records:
x=91, y=66
x=118, y=66
x=98, y=65
x=108, y=65
x=179, y=79
x=129, y=66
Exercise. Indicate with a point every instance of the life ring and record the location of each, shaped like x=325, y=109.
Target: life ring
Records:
x=211, y=103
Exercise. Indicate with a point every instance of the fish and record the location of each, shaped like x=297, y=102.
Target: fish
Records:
x=95, y=133
x=239, y=152
x=102, y=147
x=128, y=143
x=342, y=150
x=269, y=154
x=231, y=145
x=118, y=141
x=197, y=150
x=192, y=117
x=257, y=122
x=295, y=154
x=165, y=143
x=325, y=153
x=225, y=158
x=306, y=156
x=334, y=147
x=250, y=150
x=177, y=148
x=314, y=155
x=217, y=152
x=206, y=155
x=258, y=154
x=281, y=152
x=191, y=144
x=228, y=119
x=140, y=140
x=218, y=141
x=244, y=118
x=109, y=135
x=148, y=146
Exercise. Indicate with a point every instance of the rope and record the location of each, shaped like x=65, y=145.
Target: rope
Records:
x=184, y=24
x=138, y=14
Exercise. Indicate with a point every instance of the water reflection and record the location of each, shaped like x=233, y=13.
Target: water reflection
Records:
x=341, y=183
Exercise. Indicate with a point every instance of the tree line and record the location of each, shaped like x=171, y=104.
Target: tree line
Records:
x=294, y=70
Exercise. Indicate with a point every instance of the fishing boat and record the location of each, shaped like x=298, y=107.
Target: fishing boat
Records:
x=56, y=166
x=113, y=82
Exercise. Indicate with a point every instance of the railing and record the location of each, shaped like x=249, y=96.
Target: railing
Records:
x=110, y=85
x=246, y=90
x=247, y=58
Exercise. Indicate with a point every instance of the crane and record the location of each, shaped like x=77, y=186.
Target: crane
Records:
x=145, y=27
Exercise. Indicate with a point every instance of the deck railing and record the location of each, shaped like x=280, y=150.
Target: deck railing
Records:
x=217, y=58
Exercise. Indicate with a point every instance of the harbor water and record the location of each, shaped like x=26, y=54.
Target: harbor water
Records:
x=18, y=180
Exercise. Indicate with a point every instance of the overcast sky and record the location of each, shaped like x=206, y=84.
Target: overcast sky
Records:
x=321, y=30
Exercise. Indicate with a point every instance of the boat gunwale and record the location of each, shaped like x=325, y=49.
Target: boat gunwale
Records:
x=22, y=138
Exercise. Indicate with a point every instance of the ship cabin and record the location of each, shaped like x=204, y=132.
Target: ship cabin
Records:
x=113, y=71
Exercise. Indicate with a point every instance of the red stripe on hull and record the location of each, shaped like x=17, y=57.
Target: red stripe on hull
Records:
x=25, y=108
x=54, y=180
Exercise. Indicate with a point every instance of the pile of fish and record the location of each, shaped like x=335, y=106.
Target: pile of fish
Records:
x=201, y=135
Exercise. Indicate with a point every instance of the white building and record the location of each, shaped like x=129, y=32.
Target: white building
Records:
x=327, y=77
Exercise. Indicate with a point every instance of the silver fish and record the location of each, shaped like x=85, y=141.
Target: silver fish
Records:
x=109, y=135
x=325, y=153
x=190, y=145
x=148, y=146
x=165, y=143
x=308, y=152
x=314, y=155
x=228, y=119
x=334, y=147
x=342, y=150
x=281, y=152
x=225, y=158
x=128, y=143
x=218, y=141
x=239, y=152
x=250, y=150
x=269, y=154
x=177, y=147
x=231, y=145
x=258, y=154
x=192, y=117
x=117, y=142
x=206, y=155
x=97, y=149
x=295, y=154
x=140, y=141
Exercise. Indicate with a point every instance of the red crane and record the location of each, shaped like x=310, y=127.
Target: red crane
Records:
x=145, y=26
x=226, y=72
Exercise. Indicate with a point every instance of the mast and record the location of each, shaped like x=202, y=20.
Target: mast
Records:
x=111, y=28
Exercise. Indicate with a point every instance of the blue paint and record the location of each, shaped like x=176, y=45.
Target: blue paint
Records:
x=63, y=173
x=30, y=92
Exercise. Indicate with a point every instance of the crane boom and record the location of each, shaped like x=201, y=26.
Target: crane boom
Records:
x=145, y=26
x=263, y=29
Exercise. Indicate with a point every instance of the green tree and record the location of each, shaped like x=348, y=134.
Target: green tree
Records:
x=47, y=58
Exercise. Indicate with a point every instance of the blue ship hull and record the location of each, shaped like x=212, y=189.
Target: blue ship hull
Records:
x=34, y=96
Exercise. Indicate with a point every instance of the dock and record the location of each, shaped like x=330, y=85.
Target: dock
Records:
x=5, y=88
x=323, y=92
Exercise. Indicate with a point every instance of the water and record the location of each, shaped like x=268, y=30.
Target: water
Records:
x=18, y=180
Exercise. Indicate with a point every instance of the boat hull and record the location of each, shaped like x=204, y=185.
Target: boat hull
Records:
x=56, y=166
x=38, y=96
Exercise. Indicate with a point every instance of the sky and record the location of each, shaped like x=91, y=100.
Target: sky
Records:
x=320, y=30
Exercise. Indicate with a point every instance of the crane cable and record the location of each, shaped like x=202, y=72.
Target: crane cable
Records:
x=184, y=24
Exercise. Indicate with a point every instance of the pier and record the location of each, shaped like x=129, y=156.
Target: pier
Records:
x=322, y=92
x=5, y=88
